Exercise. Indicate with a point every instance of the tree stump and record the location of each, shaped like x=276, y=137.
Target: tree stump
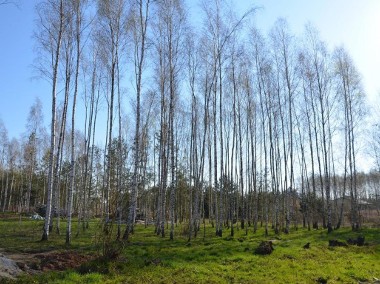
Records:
x=336, y=243
x=358, y=242
x=265, y=247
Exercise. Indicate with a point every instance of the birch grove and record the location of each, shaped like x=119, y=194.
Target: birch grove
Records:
x=190, y=123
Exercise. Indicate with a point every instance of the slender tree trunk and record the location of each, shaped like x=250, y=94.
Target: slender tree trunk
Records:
x=57, y=50
x=140, y=47
x=78, y=19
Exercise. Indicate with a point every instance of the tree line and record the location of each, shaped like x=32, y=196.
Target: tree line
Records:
x=211, y=122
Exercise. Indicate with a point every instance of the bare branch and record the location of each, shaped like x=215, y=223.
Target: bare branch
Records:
x=7, y=2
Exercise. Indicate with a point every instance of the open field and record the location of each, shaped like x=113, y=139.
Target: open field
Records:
x=147, y=258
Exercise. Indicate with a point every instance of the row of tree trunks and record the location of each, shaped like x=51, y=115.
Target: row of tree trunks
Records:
x=261, y=114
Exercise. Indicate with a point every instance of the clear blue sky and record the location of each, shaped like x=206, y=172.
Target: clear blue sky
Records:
x=355, y=24
x=17, y=90
x=352, y=23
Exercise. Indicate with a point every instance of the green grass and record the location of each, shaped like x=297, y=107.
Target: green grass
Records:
x=24, y=235
x=147, y=258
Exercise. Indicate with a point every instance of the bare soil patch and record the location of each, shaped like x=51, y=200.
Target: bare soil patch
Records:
x=62, y=260
x=33, y=263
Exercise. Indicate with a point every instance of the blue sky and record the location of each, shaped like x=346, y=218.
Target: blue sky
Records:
x=355, y=24
x=352, y=23
x=17, y=90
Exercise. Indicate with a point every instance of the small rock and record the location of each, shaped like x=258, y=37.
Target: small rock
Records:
x=9, y=268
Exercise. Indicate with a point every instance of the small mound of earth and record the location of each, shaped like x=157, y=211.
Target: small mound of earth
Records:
x=8, y=268
x=14, y=264
x=62, y=260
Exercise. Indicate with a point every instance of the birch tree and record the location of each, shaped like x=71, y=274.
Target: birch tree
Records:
x=3, y=146
x=34, y=133
x=50, y=30
x=110, y=34
x=77, y=10
x=349, y=88
x=140, y=17
x=285, y=65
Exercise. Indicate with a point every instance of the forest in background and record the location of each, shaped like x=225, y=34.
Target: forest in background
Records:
x=214, y=123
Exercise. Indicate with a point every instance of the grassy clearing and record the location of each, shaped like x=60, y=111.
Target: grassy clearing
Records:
x=151, y=259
